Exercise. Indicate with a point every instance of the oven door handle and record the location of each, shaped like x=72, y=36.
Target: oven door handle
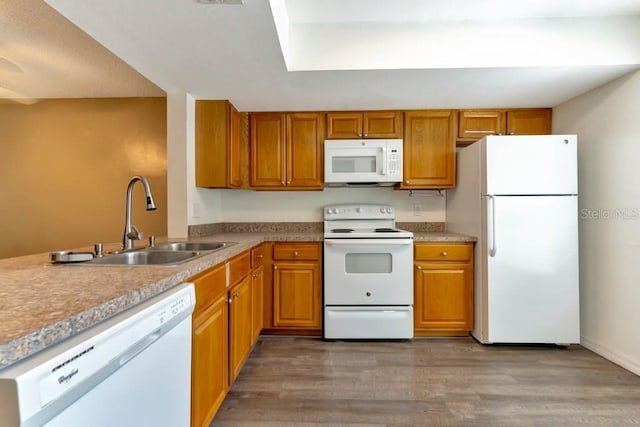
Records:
x=368, y=242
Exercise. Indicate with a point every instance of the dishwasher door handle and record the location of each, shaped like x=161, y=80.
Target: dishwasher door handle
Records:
x=139, y=347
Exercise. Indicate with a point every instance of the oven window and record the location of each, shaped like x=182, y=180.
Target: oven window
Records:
x=353, y=164
x=368, y=263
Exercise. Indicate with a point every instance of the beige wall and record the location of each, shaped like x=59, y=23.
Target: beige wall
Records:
x=606, y=121
x=64, y=169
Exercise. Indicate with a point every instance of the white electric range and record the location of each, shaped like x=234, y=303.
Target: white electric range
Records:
x=368, y=274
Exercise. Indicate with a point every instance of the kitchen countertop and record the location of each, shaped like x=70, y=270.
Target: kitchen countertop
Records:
x=42, y=304
x=430, y=236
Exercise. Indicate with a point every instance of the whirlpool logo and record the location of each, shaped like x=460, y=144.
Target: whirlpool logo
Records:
x=63, y=379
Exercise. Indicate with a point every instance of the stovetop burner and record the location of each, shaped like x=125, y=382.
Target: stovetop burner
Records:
x=386, y=230
x=342, y=230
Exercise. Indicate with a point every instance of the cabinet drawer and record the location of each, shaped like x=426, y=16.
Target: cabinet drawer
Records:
x=294, y=251
x=238, y=267
x=257, y=256
x=443, y=252
x=209, y=286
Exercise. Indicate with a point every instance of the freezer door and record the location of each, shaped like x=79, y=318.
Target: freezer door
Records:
x=546, y=164
x=532, y=270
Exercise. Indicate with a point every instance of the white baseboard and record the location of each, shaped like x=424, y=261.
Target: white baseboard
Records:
x=614, y=356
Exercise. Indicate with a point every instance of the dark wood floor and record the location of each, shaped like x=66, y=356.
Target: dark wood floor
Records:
x=427, y=382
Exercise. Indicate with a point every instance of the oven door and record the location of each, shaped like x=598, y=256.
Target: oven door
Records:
x=368, y=271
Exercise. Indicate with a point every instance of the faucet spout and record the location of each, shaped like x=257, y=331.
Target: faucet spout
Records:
x=131, y=233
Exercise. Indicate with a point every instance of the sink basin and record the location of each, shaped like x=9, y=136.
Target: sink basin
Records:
x=191, y=246
x=147, y=257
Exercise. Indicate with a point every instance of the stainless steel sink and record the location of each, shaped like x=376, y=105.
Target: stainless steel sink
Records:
x=147, y=257
x=168, y=253
x=191, y=246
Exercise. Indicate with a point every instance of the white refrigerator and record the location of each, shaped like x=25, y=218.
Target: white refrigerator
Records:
x=519, y=196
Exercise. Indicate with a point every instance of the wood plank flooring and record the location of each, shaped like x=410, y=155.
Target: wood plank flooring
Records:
x=294, y=381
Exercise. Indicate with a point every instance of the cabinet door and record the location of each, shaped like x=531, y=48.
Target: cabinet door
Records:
x=267, y=150
x=304, y=137
x=257, y=294
x=443, y=296
x=475, y=124
x=209, y=366
x=429, y=149
x=382, y=124
x=240, y=328
x=344, y=125
x=536, y=121
x=217, y=126
x=296, y=294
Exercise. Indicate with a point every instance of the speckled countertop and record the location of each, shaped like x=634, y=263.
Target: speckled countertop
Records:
x=42, y=304
x=429, y=236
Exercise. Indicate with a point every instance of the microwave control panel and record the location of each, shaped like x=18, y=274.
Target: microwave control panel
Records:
x=393, y=162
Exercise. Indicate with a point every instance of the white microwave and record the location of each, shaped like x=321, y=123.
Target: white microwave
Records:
x=362, y=162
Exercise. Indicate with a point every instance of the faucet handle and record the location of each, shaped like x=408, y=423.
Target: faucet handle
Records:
x=135, y=234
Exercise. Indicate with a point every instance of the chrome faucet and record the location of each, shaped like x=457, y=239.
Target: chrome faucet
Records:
x=131, y=233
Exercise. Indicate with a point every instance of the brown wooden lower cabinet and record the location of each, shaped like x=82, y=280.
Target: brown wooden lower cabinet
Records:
x=292, y=288
x=297, y=284
x=210, y=354
x=443, y=289
x=224, y=330
x=240, y=326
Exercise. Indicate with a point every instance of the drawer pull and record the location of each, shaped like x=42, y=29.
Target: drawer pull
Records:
x=295, y=253
x=259, y=256
x=444, y=254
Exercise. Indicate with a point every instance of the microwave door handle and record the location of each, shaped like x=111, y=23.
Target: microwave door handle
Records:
x=383, y=159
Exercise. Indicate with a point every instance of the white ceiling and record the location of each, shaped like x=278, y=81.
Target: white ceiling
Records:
x=353, y=54
x=43, y=55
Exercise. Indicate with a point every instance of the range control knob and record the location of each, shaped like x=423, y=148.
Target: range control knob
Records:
x=359, y=210
x=389, y=210
x=334, y=210
x=381, y=210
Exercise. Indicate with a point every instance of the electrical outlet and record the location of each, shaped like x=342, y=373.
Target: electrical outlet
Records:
x=417, y=209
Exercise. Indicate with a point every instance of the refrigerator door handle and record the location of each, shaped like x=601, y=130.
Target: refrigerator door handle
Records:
x=492, y=221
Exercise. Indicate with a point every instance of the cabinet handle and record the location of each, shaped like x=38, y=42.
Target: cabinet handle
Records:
x=259, y=256
x=236, y=294
x=230, y=300
x=512, y=133
x=282, y=182
x=295, y=253
x=366, y=134
x=288, y=182
x=444, y=254
x=275, y=267
x=419, y=267
x=407, y=181
x=360, y=135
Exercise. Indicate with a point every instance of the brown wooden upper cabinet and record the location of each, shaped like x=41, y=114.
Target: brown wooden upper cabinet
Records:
x=367, y=124
x=217, y=144
x=475, y=124
x=429, y=158
x=286, y=151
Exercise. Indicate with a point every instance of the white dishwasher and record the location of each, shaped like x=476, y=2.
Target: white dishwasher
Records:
x=131, y=370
